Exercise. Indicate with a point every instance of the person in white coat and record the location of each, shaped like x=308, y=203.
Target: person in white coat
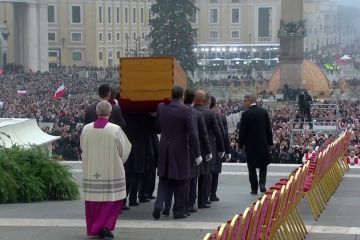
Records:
x=105, y=148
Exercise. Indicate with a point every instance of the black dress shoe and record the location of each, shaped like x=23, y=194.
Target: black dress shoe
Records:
x=151, y=197
x=133, y=204
x=214, y=199
x=156, y=213
x=125, y=208
x=187, y=214
x=192, y=210
x=165, y=212
x=253, y=192
x=144, y=200
x=204, y=206
x=208, y=202
x=106, y=234
x=180, y=216
x=262, y=188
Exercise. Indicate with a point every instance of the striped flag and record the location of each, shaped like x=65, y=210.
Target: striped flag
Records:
x=59, y=92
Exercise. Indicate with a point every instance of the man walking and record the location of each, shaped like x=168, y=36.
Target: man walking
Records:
x=178, y=135
x=255, y=135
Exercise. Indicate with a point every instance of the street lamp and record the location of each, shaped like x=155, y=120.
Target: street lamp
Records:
x=5, y=33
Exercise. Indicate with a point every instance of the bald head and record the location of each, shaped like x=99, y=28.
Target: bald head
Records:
x=200, y=97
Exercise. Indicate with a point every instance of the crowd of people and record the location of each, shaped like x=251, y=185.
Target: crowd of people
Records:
x=67, y=114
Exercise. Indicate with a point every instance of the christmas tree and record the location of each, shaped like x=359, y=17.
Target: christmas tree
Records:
x=171, y=31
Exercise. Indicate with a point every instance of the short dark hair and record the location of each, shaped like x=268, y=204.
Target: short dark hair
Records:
x=212, y=102
x=177, y=93
x=189, y=96
x=104, y=90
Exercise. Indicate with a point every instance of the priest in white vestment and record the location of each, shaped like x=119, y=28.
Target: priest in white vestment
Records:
x=105, y=148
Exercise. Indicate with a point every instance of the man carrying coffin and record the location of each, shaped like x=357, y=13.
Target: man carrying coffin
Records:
x=217, y=161
x=202, y=103
x=178, y=136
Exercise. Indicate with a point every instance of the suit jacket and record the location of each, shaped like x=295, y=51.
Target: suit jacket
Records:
x=178, y=135
x=256, y=135
x=203, y=139
x=215, y=138
x=116, y=115
x=226, y=134
x=139, y=130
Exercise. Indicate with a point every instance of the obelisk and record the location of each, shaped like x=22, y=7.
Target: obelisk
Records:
x=291, y=35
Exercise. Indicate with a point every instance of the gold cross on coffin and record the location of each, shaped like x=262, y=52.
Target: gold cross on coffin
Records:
x=97, y=175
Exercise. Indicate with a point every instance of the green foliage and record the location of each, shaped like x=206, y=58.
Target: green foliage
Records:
x=29, y=175
x=171, y=31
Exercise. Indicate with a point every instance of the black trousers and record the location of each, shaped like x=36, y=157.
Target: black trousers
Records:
x=169, y=197
x=253, y=177
x=192, y=193
x=165, y=188
x=148, y=184
x=135, y=182
x=214, y=184
x=204, y=185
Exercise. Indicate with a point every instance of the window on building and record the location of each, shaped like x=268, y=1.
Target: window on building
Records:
x=118, y=15
x=235, y=15
x=75, y=14
x=213, y=1
x=134, y=15
x=100, y=55
x=118, y=37
x=126, y=15
x=235, y=1
x=101, y=37
x=264, y=22
x=126, y=35
x=76, y=37
x=110, y=54
x=109, y=14
x=235, y=34
x=214, y=15
x=76, y=56
x=142, y=15
x=51, y=36
x=143, y=35
x=118, y=54
x=134, y=36
x=100, y=15
x=110, y=37
x=51, y=14
x=213, y=34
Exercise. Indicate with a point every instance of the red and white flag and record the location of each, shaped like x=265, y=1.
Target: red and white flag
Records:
x=1, y=71
x=21, y=92
x=59, y=92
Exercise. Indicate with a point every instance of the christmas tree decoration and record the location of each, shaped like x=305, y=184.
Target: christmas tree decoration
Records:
x=172, y=33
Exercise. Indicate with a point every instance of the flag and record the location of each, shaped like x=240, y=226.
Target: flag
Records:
x=1, y=71
x=21, y=92
x=59, y=92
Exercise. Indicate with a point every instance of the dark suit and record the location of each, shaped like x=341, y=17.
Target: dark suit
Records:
x=256, y=135
x=205, y=149
x=217, y=145
x=217, y=161
x=116, y=115
x=139, y=130
x=178, y=136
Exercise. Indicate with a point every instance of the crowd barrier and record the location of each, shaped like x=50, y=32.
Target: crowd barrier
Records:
x=275, y=215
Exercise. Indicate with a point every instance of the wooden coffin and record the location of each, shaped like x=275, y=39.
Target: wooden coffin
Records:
x=145, y=82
